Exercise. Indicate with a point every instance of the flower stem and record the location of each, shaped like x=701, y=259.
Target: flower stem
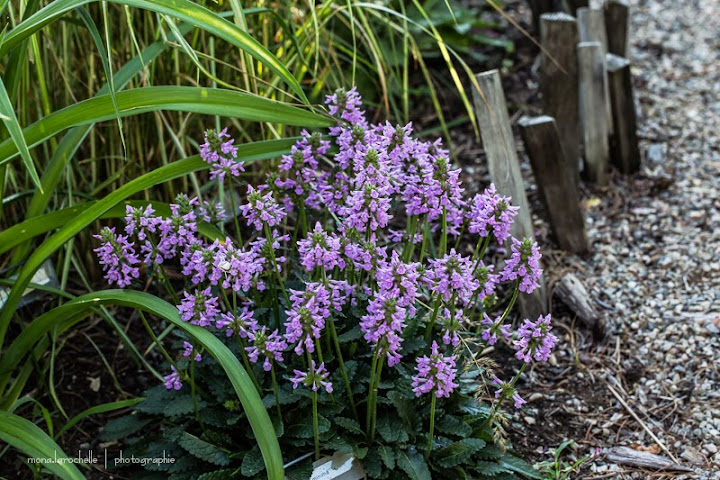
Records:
x=432, y=426
x=248, y=367
x=268, y=236
x=156, y=340
x=343, y=371
x=275, y=389
x=431, y=325
x=316, y=429
x=511, y=304
x=234, y=213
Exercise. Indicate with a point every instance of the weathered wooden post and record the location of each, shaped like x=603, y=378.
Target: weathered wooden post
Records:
x=571, y=6
x=555, y=181
x=538, y=7
x=617, y=25
x=623, y=141
x=559, y=80
x=591, y=69
x=504, y=168
x=591, y=28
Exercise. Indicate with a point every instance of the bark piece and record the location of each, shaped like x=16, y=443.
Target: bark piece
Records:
x=640, y=459
x=617, y=26
x=572, y=293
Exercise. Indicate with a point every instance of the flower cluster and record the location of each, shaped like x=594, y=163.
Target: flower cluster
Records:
x=326, y=270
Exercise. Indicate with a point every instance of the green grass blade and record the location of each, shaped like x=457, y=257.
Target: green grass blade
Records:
x=209, y=101
x=252, y=404
x=103, y=408
x=185, y=10
x=27, y=437
x=246, y=152
x=104, y=58
x=36, y=226
x=16, y=134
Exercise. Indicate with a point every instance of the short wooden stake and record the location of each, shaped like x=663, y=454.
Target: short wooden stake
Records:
x=591, y=28
x=591, y=69
x=538, y=7
x=555, y=181
x=617, y=26
x=504, y=168
x=571, y=6
x=559, y=80
x=623, y=142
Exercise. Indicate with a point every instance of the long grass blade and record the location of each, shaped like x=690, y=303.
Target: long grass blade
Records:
x=185, y=10
x=27, y=437
x=209, y=101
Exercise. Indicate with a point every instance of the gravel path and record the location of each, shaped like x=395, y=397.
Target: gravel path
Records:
x=655, y=266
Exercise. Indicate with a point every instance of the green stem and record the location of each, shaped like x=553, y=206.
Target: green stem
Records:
x=510, y=305
x=316, y=429
x=432, y=426
x=426, y=235
x=268, y=236
x=443, y=237
x=234, y=213
x=343, y=371
x=373, y=423
x=431, y=325
x=368, y=413
x=248, y=367
x=155, y=339
x=275, y=389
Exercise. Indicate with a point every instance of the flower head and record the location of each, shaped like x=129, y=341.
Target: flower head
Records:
x=306, y=319
x=491, y=213
x=188, y=350
x=200, y=308
x=172, y=381
x=241, y=325
x=320, y=250
x=535, y=340
x=117, y=257
x=315, y=378
x=494, y=330
x=262, y=209
x=220, y=152
x=523, y=264
x=269, y=346
x=435, y=373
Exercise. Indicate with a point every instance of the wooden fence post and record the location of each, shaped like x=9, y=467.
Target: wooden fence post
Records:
x=571, y=6
x=591, y=68
x=555, y=181
x=591, y=28
x=538, y=7
x=617, y=25
x=504, y=168
x=623, y=141
x=559, y=80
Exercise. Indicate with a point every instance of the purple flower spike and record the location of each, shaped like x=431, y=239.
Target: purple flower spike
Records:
x=188, y=350
x=219, y=151
x=269, y=346
x=320, y=250
x=201, y=308
x=315, y=378
x=491, y=212
x=494, y=330
x=262, y=209
x=435, y=373
x=172, y=381
x=535, y=340
x=523, y=264
x=306, y=319
x=117, y=257
x=453, y=275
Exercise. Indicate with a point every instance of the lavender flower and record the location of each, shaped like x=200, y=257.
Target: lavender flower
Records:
x=237, y=268
x=320, y=250
x=241, y=325
x=346, y=106
x=452, y=325
x=524, y=264
x=383, y=325
x=306, y=319
x=117, y=257
x=188, y=351
x=270, y=346
x=262, y=209
x=451, y=276
x=435, y=373
x=399, y=280
x=172, y=381
x=200, y=308
x=535, y=340
x=494, y=330
x=219, y=151
x=140, y=221
x=506, y=390
x=490, y=212
x=315, y=378
x=212, y=213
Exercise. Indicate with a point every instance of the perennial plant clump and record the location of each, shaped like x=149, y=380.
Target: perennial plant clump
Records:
x=354, y=281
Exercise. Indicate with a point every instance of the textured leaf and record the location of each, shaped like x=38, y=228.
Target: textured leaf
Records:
x=458, y=452
x=122, y=427
x=349, y=424
x=204, y=450
x=391, y=429
x=489, y=469
x=373, y=464
x=182, y=405
x=352, y=334
x=252, y=463
x=519, y=465
x=303, y=428
x=224, y=474
x=413, y=463
x=387, y=455
x=453, y=426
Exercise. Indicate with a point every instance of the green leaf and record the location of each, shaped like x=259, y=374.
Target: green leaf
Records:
x=204, y=450
x=256, y=413
x=387, y=456
x=458, y=452
x=252, y=463
x=352, y=334
x=27, y=437
x=413, y=463
x=103, y=408
x=303, y=427
x=122, y=427
x=349, y=424
x=209, y=101
x=185, y=10
x=224, y=474
x=518, y=465
x=181, y=405
x=17, y=139
x=391, y=429
x=452, y=425
x=489, y=469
